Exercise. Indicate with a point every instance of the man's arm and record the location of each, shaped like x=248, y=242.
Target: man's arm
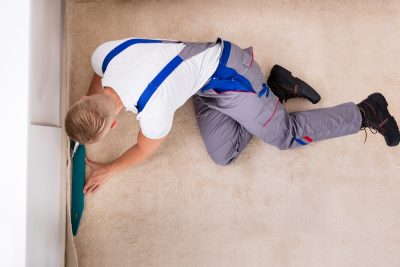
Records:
x=140, y=152
x=95, y=86
x=135, y=155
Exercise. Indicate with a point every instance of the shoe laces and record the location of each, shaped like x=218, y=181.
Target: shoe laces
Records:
x=371, y=129
x=366, y=124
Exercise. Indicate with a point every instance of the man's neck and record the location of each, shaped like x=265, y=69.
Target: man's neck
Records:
x=115, y=97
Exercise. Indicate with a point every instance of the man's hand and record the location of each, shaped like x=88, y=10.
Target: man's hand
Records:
x=135, y=155
x=100, y=173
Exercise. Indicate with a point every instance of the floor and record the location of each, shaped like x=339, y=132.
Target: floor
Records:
x=332, y=203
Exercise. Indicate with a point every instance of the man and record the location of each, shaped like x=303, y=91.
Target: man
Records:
x=232, y=102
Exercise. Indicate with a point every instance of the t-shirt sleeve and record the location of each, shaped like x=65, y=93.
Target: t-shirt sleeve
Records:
x=97, y=59
x=157, y=126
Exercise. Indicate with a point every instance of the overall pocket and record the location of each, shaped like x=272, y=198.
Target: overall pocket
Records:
x=272, y=106
x=242, y=61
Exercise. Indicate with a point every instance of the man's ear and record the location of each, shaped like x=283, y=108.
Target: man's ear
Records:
x=113, y=124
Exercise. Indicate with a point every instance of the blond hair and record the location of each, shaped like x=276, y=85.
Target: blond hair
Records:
x=90, y=118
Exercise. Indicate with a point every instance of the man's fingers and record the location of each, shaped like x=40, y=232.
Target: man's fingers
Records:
x=89, y=188
x=96, y=189
x=85, y=188
x=88, y=183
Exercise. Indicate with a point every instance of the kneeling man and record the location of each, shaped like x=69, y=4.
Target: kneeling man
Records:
x=232, y=100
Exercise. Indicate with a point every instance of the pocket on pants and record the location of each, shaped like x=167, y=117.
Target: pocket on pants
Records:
x=269, y=111
x=242, y=61
x=248, y=57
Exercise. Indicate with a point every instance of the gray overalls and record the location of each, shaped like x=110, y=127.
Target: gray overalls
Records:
x=228, y=118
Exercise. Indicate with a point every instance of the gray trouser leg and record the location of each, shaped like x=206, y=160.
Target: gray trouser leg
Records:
x=266, y=118
x=223, y=137
x=324, y=123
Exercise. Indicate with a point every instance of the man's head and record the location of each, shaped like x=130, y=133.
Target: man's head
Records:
x=89, y=119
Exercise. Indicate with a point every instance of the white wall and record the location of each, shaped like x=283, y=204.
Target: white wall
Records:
x=45, y=62
x=45, y=236
x=44, y=241
x=14, y=28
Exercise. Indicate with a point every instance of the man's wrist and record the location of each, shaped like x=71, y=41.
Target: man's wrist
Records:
x=112, y=167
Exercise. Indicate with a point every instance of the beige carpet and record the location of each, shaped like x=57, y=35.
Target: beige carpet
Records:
x=333, y=203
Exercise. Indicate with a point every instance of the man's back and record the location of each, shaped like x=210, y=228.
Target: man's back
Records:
x=130, y=72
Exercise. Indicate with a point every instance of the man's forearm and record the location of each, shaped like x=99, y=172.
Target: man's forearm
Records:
x=135, y=155
x=132, y=157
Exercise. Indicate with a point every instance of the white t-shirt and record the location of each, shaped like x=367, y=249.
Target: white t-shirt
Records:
x=133, y=69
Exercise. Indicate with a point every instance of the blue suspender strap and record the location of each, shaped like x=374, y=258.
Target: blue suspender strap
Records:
x=157, y=81
x=225, y=53
x=118, y=49
x=225, y=78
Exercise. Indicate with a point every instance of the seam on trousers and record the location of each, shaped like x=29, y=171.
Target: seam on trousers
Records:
x=273, y=113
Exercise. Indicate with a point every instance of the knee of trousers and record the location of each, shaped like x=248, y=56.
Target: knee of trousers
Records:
x=282, y=146
x=221, y=161
x=224, y=155
x=278, y=136
x=279, y=144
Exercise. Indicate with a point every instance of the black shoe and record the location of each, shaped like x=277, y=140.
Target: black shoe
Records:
x=377, y=117
x=285, y=86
